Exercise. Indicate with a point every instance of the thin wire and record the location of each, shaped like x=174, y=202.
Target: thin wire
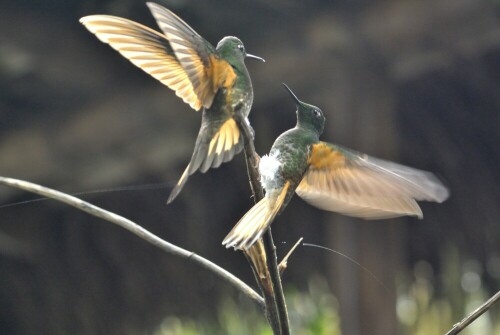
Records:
x=141, y=187
x=350, y=259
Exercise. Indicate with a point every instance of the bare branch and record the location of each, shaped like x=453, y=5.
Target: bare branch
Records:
x=458, y=327
x=137, y=230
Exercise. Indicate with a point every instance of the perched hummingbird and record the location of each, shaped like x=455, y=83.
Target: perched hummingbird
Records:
x=214, y=79
x=332, y=178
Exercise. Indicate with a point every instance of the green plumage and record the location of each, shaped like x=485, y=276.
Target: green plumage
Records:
x=228, y=103
x=332, y=178
x=292, y=149
x=213, y=79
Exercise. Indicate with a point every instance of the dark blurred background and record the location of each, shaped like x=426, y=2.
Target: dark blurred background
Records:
x=414, y=81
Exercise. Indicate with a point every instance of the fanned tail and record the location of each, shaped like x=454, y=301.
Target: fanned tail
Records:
x=255, y=222
x=212, y=148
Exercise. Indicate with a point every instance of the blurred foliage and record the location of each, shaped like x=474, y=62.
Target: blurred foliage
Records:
x=420, y=310
x=416, y=81
x=311, y=313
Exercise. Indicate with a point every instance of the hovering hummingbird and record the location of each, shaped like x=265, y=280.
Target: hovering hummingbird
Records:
x=332, y=178
x=214, y=79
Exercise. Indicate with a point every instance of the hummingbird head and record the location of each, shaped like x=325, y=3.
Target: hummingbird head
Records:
x=308, y=116
x=231, y=48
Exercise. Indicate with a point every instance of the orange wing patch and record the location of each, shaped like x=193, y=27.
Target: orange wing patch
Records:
x=346, y=184
x=208, y=78
x=324, y=157
x=222, y=73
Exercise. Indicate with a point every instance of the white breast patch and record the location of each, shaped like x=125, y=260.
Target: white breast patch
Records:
x=268, y=168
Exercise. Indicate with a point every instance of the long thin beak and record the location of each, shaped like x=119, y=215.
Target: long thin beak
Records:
x=255, y=57
x=293, y=95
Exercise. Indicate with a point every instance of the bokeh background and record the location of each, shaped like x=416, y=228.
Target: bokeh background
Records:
x=414, y=81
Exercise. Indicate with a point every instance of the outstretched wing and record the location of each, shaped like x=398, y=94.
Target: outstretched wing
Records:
x=147, y=49
x=180, y=59
x=198, y=57
x=344, y=181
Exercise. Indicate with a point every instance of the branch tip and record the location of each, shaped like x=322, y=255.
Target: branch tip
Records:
x=284, y=263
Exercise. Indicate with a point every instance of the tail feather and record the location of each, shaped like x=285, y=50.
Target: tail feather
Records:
x=178, y=187
x=255, y=222
x=250, y=227
x=223, y=145
x=210, y=151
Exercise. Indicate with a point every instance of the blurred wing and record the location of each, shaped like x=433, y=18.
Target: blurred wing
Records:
x=198, y=57
x=344, y=181
x=147, y=49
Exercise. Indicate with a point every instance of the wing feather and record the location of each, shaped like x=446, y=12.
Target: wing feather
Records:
x=206, y=71
x=342, y=180
x=147, y=49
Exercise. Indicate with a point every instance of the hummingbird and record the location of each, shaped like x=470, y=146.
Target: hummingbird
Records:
x=332, y=178
x=213, y=79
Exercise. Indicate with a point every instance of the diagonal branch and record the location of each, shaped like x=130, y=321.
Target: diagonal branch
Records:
x=137, y=230
x=458, y=327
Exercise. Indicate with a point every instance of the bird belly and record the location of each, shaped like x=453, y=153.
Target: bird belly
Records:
x=241, y=95
x=241, y=101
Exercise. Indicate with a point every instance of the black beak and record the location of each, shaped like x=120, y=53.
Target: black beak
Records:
x=297, y=101
x=255, y=57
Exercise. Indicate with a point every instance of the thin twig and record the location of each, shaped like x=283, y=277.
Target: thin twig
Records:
x=272, y=260
x=137, y=230
x=284, y=262
x=458, y=327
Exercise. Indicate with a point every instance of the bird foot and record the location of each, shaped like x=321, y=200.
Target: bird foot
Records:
x=257, y=159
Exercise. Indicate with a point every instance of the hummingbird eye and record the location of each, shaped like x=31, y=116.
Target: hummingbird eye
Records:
x=316, y=113
x=241, y=47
